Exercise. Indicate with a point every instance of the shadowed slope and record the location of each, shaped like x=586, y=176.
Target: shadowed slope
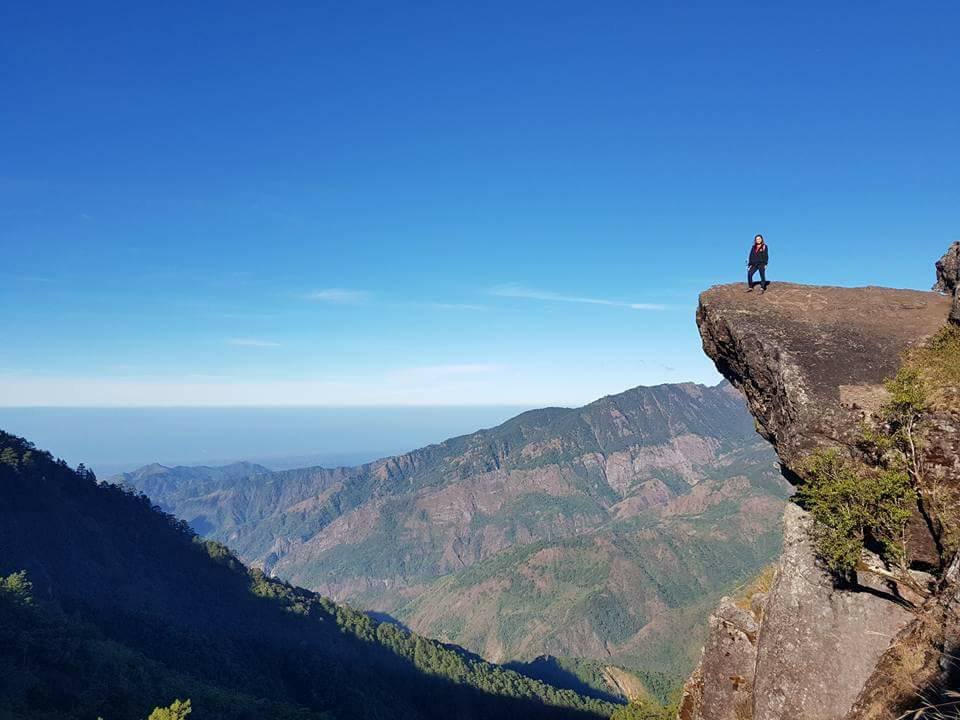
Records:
x=129, y=609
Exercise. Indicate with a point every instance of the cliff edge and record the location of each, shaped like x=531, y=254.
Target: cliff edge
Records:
x=811, y=359
x=812, y=362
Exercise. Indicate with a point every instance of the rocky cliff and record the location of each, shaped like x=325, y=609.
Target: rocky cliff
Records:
x=811, y=362
x=948, y=278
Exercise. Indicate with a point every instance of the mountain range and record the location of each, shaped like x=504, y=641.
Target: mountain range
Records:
x=604, y=532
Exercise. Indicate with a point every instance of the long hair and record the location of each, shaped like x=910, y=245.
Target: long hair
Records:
x=763, y=243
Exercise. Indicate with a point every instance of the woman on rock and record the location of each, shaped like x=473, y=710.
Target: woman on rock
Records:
x=759, y=256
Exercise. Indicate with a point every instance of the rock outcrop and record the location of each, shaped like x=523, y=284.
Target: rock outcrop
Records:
x=811, y=362
x=818, y=644
x=948, y=278
x=810, y=359
x=723, y=682
x=805, y=651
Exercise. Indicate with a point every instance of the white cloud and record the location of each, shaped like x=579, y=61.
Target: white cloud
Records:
x=452, y=384
x=242, y=316
x=27, y=278
x=456, y=384
x=438, y=373
x=339, y=296
x=453, y=306
x=343, y=296
x=252, y=342
x=513, y=290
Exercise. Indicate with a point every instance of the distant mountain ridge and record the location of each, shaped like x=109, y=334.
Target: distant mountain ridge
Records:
x=596, y=531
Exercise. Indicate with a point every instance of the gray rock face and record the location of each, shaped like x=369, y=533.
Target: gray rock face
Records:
x=921, y=661
x=817, y=645
x=948, y=278
x=722, y=685
x=810, y=655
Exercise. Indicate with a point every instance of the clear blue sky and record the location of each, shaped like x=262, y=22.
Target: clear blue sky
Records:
x=458, y=203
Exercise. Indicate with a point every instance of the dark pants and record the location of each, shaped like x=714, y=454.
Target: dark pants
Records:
x=763, y=275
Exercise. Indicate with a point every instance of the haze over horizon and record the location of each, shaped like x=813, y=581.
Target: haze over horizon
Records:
x=110, y=440
x=378, y=204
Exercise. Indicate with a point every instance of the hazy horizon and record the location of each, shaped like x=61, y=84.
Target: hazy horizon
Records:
x=111, y=440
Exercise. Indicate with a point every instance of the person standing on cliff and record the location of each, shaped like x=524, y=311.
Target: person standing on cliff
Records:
x=759, y=257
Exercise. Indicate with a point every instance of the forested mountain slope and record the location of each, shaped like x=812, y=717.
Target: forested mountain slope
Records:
x=109, y=607
x=603, y=531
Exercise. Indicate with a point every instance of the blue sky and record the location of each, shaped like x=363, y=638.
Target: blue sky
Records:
x=445, y=203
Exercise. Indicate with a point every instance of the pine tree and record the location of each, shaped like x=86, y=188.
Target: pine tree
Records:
x=178, y=710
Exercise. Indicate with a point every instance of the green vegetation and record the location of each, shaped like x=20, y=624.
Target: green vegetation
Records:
x=895, y=437
x=590, y=677
x=56, y=665
x=429, y=656
x=610, y=617
x=646, y=710
x=867, y=503
x=679, y=568
x=853, y=506
x=109, y=607
x=579, y=674
x=178, y=710
x=16, y=588
x=662, y=687
x=938, y=363
x=760, y=584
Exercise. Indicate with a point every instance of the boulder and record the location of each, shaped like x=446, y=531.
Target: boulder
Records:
x=948, y=278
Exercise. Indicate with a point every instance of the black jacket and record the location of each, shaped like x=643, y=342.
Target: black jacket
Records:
x=759, y=257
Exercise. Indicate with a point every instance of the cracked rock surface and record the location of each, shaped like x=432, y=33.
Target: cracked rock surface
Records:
x=948, y=278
